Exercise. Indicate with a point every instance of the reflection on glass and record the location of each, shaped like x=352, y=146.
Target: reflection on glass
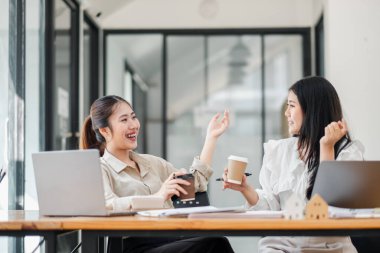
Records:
x=283, y=67
x=205, y=75
x=62, y=75
x=143, y=53
x=140, y=107
x=85, y=90
x=4, y=77
x=185, y=91
x=203, y=82
x=34, y=61
x=235, y=83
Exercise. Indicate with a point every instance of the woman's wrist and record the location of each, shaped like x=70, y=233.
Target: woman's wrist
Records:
x=210, y=138
x=208, y=150
x=250, y=195
x=246, y=190
x=326, y=152
x=326, y=148
x=326, y=144
x=162, y=194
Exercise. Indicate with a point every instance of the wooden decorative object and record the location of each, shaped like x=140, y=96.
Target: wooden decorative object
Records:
x=316, y=208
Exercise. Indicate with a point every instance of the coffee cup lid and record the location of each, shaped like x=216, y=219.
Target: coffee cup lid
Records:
x=238, y=158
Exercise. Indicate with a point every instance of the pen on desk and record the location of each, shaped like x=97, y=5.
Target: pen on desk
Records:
x=221, y=179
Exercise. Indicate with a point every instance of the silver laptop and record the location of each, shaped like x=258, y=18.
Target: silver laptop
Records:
x=69, y=183
x=349, y=184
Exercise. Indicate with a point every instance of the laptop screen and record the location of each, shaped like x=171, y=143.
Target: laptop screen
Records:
x=69, y=182
x=349, y=184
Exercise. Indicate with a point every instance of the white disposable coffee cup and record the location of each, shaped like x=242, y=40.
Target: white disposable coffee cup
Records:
x=236, y=169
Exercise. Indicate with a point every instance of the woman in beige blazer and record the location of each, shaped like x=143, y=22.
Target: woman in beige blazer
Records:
x=113, y=127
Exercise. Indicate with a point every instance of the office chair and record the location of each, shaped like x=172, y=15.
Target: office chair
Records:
x=115, y=244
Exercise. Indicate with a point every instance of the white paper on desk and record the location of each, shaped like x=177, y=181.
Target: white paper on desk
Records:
x=337, y=212
x=264, y=214
x=189, y=210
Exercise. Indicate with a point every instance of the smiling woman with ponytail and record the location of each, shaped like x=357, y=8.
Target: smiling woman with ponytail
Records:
x=100, y=111
x=112, y=128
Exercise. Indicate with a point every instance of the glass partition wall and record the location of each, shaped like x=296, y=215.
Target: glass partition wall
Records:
x=283, y=66
x=62, y=68
x=21, y=81
x=187, y=78
x=133, y=70
x=89, y=87
x=217, y=73
x=190, y=77
x=4, y=78
x=208, y=74
x=39, y=77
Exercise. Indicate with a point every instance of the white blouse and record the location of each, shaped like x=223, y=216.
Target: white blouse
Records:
x=283, y=173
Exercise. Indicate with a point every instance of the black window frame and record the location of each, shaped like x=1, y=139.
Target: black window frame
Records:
x=319, y=48
x=49, y=94
x=95, y=66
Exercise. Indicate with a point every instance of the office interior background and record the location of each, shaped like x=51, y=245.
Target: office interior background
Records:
x=178, y=63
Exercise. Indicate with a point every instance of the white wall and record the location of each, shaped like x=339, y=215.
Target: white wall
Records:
x=227, y=14
x=317, y=10
x=352, y=33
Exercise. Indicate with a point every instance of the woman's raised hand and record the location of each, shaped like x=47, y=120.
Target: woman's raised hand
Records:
x=215, y=127
x=333, y=133
x=172, y=185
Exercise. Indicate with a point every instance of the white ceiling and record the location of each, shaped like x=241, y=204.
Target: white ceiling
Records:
x=105, y=8
x=135, y=14
x=144, y=52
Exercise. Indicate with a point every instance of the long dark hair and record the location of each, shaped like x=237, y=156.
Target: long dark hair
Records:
x=100, y=111
x=320, y=105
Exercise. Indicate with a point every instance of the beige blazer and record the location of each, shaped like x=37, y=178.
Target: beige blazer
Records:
x=122, y=181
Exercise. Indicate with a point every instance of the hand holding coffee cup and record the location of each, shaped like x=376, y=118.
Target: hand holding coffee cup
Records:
x=236, y=169
x=190, y=189
x=173, y=185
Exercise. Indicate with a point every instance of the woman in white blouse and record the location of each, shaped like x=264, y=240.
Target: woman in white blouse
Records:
x=113, y=127
x=315, y=122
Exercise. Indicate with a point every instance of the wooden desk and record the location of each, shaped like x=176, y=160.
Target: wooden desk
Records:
x=29, y=223
x=23, y=223
x=92, y=228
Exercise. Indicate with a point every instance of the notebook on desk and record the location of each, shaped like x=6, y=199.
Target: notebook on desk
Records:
x=349, y=184
x=184, y=212
x=70, y=183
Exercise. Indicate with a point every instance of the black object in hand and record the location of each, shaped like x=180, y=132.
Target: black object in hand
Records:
x=221, y=179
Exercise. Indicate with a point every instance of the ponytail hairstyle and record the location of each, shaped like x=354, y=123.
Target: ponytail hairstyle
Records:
x=320, y=105
x=100, y=111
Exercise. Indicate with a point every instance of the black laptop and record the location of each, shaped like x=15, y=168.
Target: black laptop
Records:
x=349, y=184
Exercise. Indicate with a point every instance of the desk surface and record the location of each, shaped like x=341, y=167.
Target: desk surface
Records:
x=27, y=220
x=30, y=220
